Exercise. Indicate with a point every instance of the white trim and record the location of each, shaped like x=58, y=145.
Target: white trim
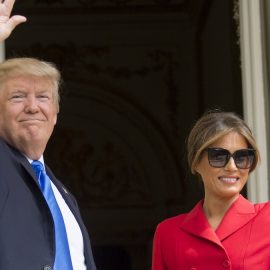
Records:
x=254, y=85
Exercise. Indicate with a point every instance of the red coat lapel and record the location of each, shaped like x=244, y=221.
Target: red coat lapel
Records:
x=240, y=213
x=196, y=223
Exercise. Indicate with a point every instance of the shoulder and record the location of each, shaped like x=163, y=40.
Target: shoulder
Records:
x=177, y=221
x=262, y=208
x=262, y=218
x=168, y=231
x=9, y=151
x=6, y=153
x=172, y=223
x=3, y=145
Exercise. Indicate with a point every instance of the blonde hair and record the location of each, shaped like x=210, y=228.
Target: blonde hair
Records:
x=212, y=126
x=34, y=67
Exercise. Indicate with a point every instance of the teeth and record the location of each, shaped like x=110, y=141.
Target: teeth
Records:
x=228, y=180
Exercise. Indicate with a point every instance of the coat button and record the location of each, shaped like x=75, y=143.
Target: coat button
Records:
x=192, y=268
x=47, y=267
x=226, y=263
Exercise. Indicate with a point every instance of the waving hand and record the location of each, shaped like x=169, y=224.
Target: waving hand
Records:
x=7, y=23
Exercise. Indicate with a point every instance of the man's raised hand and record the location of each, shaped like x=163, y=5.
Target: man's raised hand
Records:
x=7, y=23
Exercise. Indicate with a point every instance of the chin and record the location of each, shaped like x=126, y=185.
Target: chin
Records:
x=231, y=193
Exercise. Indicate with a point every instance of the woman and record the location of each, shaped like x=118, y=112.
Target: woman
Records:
x=224, y=230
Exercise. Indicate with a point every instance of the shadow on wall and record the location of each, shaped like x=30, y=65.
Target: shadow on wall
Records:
x=111, y=258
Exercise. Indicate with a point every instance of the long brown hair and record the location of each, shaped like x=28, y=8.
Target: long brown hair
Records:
x=212, y=126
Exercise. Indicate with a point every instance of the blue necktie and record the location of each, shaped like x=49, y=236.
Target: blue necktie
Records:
x=62, y=255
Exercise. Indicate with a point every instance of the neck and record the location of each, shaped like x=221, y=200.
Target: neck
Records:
x=33, y=149
x=33, y=153
x=216, y=208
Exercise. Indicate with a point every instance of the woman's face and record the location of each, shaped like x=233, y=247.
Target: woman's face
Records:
x=228, y=181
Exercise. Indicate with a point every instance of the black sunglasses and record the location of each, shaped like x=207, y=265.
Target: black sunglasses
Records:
x=219, y=157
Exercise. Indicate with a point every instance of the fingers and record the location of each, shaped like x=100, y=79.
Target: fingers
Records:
x=15, y=20
x=9, y=4
x=18, y=19
x=11, y=24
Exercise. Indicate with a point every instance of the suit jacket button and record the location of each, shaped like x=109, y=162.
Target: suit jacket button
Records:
x=192, y=268
x=226, y=263
x=47, y=267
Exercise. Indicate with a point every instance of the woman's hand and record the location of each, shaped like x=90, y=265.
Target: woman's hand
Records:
x=7, y=23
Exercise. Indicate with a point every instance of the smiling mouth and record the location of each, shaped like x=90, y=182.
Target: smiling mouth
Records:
x=31, y=120
x=229, y=180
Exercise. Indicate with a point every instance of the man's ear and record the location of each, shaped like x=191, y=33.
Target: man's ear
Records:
x=55, y=119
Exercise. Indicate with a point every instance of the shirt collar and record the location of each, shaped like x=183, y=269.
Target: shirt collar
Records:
x=41, y=159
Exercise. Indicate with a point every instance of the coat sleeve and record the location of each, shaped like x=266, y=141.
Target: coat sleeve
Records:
x=157, y=255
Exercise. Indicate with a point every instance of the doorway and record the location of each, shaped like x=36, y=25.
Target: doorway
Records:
x=137, y=74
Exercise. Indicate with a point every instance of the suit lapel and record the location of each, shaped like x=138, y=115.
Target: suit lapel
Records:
x=63, y=191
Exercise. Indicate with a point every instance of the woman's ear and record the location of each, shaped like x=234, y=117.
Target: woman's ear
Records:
x=197, y=169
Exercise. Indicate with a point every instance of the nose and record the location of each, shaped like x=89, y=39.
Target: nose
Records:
x=230, y=166
x=31, y=105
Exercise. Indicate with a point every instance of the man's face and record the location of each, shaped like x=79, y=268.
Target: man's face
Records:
x=28, y=113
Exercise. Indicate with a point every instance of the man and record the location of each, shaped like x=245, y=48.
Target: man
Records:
x=40, y=224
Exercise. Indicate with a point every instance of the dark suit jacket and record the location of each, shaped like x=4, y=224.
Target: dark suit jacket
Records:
x=26, y=225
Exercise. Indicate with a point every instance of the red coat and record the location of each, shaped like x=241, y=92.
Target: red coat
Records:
x=241, y=242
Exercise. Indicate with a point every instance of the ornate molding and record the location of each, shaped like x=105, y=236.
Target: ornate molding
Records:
x=92, y=3
x=77, y=62
x=64, y=7
x=102, y=174
x=107, y=175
